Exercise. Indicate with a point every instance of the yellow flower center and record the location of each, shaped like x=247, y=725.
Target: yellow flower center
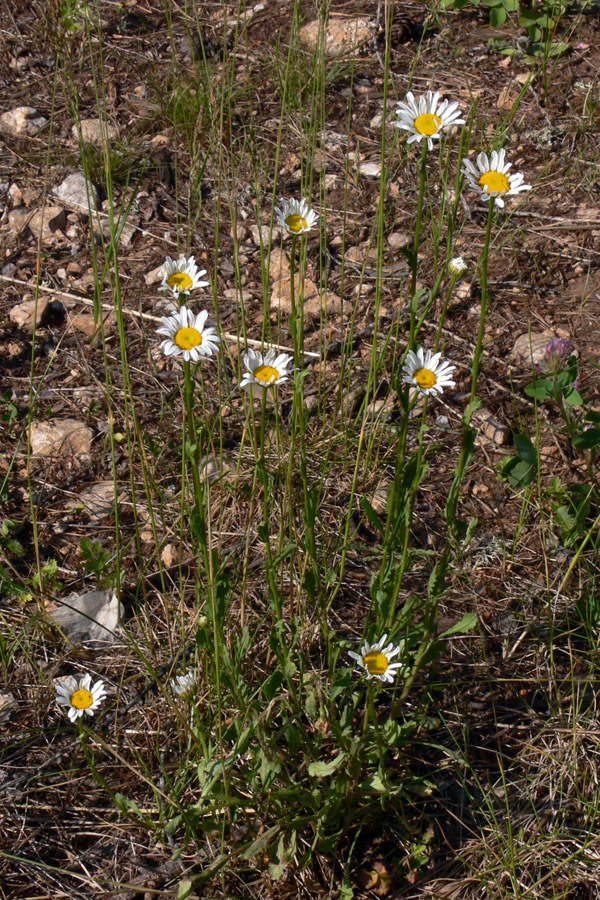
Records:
x=296, y=223
x=494, y=181
x=428, y=124
x=187, y=338
x=81, y=699
x=425, y=378
x=180, y=280
x=267, y=374
x=376, y=662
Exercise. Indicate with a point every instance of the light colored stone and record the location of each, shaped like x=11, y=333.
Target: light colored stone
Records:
x=398, y=239
x=45, y=222
x=16, y=194
x=127, y=231
x=89, y=617
x=98, y=500
x=281, y=292
x=65, y=437
x=490, y=427
x=76, y=191
x=371, y=169
x=25, y=314
x=93, y=132
x=23, y=121
x=7, y=705
x=257, y=232
x=531, y=348
x=85, y=322
x=344, y=34
x=155, y=276
x=42, y=222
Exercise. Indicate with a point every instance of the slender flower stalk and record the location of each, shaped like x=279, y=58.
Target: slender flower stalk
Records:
x=484, y=300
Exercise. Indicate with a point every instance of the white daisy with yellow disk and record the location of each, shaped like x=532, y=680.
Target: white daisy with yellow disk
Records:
x=183, y=684
x=426, y=117
x=187, y=335
x=265, y=370
x=80, y=696
x=295, y=216
x=427, y=371
x=182, y=276
x=375, y=659
x=490, y=177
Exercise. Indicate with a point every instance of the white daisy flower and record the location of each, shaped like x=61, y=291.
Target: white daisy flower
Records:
x=426, y=117
x=457, y=266
x=266, y=370
x=182, y=684
x=489, y=177
x=187, y=336
x=81, y=696
x=375, y=659
x=295, y=217
x=427, y=371
x=181, y=276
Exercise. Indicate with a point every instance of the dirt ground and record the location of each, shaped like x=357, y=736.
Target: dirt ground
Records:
x=60, y=834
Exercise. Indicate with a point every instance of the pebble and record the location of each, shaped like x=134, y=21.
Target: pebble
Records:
x=344, y=34
x=372, y=169
x=93, y=616
x=94, y=132
x=531, y=348
x=23, y=121
x=98, y=500
x=73, y=191
x=65, y=437
x=28, y=313
x=281, y=294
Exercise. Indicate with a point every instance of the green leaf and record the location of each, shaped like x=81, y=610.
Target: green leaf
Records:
x=528, y=17
x=587, y=440
x=541, y=389
x=466, y=624
x=573, y=397
x=371, y=515
x=184, y=889
x=525, y=449
x=322, y=769
x=518, y=472
x=375, y=783
x=261, y=842
x=497, y=16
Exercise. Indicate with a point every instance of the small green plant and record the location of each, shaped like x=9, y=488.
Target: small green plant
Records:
x=96, y=560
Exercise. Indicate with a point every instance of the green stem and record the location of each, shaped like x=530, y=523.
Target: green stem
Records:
x=417, y=241
x=193, y=453
x=485, y=300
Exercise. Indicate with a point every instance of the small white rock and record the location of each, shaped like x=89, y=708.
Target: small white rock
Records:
x=65, y=437
x=25, y=314
x=78, y=192
x=23, y=121
x=373, y=169
x=94, y=132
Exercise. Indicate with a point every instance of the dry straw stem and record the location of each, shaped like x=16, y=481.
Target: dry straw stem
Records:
x=232, y=338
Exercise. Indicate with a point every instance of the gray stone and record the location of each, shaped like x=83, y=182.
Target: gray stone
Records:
x=98, y=500
x=94, y=132
x=372, y=169
x=65, y=437
x=76, y=191
x=344, y=34
x=531, y=348
x=89, y=617
x=23, y=121
x=25, y=314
